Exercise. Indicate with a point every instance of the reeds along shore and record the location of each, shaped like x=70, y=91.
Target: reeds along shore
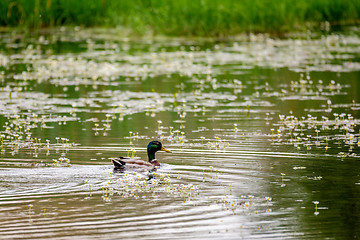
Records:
x=182, y=17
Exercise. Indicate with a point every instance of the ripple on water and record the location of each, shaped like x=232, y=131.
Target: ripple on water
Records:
x=48, y=202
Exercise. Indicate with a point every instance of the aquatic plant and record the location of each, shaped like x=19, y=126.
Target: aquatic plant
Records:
x=338, y=128
x=18, y=135
x=137, y=186
x=61, y=162
x=316, y=207
x=218, y=144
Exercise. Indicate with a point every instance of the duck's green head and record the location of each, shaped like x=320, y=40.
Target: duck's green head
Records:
x=153, y=147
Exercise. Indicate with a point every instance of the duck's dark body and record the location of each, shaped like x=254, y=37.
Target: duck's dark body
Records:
x=123, y=164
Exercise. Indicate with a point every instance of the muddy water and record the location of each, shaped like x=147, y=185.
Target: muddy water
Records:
x=264, y=135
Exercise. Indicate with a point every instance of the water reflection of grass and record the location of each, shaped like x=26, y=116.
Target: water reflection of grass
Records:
x=185, y=17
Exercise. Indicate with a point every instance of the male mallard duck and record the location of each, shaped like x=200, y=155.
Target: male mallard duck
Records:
x=122, y=163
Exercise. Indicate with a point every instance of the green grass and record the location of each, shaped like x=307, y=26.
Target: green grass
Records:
x=181, y=17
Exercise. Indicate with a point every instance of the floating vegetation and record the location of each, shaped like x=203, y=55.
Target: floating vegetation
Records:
x=18, y=135
x=316, y=207
x=61, y=162
x=218, y=144
x=156, y=186
x=255, y=124
x=339, y=132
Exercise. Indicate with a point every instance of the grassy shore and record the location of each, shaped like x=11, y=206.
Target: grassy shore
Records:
x=182, y=17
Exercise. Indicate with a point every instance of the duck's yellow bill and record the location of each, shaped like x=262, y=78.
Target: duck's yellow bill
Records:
x=164, y=149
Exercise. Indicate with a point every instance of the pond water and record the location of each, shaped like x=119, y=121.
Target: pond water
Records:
x=264, y=135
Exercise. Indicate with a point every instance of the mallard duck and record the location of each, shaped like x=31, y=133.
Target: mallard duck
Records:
x=122, y=163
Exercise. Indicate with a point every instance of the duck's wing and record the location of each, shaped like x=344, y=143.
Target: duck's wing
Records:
x=118, y=163
x=121, y=162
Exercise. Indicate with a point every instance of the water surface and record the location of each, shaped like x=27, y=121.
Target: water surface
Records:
x=264, y=134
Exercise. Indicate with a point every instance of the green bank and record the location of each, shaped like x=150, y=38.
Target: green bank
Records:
x=182, y=17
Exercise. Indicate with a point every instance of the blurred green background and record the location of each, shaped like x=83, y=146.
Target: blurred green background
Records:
x=183, y=17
